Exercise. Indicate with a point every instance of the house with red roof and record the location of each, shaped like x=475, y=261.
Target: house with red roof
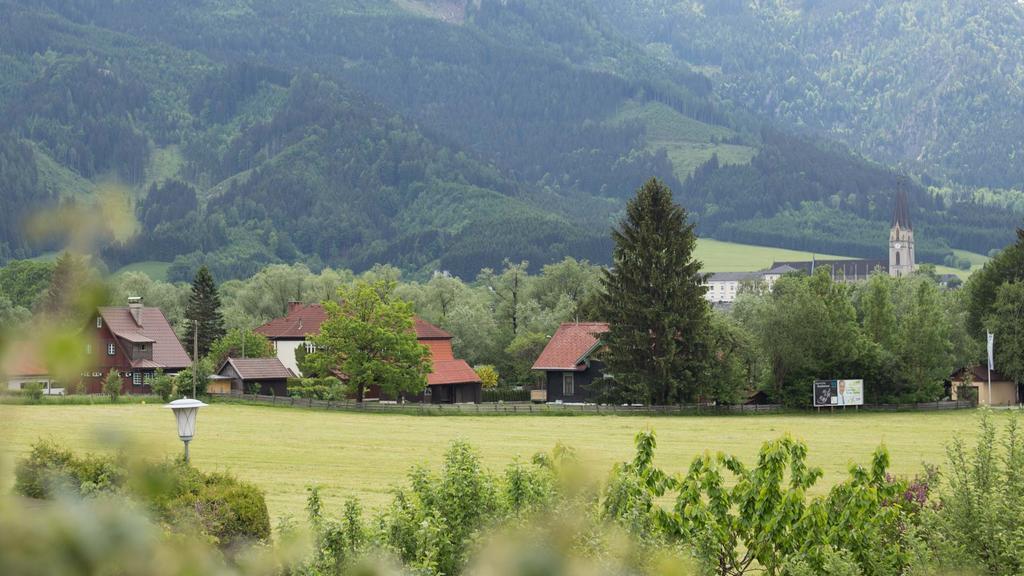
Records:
x=134, y=340
x=568, y=363
x=451, y=381
x=20, y=364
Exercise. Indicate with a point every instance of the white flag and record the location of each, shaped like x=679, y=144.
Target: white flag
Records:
x=991, y=349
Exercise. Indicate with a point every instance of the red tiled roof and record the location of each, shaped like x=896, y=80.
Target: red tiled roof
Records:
x=568, y=348
x=301, y=321
x=427, y=331
x=167, y=350
x=305, y=320
x=452, y=372
x=258, y=368
x=22, y=359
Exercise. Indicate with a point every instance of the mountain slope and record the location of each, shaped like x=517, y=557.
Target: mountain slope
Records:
x=937, y=86
x=430, y=134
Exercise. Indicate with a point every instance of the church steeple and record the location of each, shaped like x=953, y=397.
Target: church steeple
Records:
x=901, y=214
x=901, y=235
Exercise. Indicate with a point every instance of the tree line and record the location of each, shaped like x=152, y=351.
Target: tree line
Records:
x=903, y=336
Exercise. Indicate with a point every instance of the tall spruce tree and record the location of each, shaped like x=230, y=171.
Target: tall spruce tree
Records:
x=203, y=311
x=71, y=290
x=653, y=299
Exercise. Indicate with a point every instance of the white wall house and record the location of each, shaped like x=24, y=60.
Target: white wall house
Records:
x=723, y=287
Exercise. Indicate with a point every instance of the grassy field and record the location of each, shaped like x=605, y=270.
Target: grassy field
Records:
x=284, y=450
x=688, y=142
x=719, y=256
x=155, y=269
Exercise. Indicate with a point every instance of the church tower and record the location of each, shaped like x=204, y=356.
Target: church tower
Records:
x=901, y=236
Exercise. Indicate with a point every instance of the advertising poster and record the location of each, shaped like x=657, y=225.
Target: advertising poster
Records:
x=838, y=393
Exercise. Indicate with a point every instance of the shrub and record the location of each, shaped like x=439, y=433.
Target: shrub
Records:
x=34, y=391
x=329, y=388
x=112, y=385
x=488, y=375
x=981, y=508
x=223, y=508
x=73, y=387
x=51, y=469
x=231, y=511
x=183, y=380
x=163, y=386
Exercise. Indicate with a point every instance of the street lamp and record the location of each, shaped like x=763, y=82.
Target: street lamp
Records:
x=185, y=411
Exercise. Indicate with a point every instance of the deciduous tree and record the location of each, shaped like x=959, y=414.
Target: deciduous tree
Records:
x=369, y=338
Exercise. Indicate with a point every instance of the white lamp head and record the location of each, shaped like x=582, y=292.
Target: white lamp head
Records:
x=185, y=411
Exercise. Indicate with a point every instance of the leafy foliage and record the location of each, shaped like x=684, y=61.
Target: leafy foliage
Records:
x=226, y=510
x=235, y=342
x=369, y=338
x=112, y=384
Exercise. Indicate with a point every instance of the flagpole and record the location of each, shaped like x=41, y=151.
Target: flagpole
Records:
x=991, y=360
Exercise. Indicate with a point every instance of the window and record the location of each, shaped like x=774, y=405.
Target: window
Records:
x=99, y=322
x=137, y=379
x=111, y=349
x=310, y=348
x=568, y=384
x=88, y=348
x=897, y=258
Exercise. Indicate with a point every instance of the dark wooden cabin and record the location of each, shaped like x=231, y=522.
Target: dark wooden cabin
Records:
x=568, y=364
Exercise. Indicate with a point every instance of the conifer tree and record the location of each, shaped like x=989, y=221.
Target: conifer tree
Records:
x=653, y=299
x=203, y=311
x=67, y=290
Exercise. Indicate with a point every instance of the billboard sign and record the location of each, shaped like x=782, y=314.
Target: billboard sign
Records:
x=838, y=393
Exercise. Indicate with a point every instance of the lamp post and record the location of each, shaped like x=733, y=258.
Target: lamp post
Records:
x=185, y=411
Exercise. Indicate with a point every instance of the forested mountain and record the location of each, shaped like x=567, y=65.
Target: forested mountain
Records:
x=937, y=86
x=432, y=134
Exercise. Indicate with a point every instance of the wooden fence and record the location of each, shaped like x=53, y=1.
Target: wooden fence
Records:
x=496, y=407
x=530, y=408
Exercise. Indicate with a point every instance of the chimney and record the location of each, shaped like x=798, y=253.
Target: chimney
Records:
x=294, y=305
x=135, y=308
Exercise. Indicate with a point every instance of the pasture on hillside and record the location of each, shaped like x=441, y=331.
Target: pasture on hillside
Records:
x=285, y=450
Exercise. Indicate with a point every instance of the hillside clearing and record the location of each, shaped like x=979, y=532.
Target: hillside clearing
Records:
x=284, y=450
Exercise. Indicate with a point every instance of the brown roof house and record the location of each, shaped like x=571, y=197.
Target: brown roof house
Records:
x=568, y=363
x=452, y=380
x=241, y=375
x=1005, y=392
x=136, y=341
x=20, y=364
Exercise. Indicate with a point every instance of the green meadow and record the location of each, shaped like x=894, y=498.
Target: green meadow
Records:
x=285, y=450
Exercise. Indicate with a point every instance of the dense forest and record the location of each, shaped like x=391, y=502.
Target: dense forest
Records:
x=429, y=135
x=936, y=86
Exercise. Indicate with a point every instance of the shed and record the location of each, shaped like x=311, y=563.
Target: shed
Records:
x=1005, y=392
x=268, y=373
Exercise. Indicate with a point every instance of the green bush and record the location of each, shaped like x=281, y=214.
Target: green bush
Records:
x=228, y=511
x=51, y=469
x=163, y=386
x=329, y=388
x=34, y=391
x=231, y=511
x=981, y=513
x=112, y=385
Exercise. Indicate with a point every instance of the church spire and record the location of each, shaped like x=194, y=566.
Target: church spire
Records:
x=901, y=213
